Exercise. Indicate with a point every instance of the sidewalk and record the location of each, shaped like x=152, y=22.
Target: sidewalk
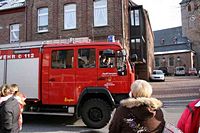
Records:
x=173, y=114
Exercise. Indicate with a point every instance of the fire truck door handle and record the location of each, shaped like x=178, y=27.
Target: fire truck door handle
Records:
x=101, y=78
x=52, y=79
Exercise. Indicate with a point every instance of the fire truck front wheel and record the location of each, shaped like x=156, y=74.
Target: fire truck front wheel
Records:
x=96, y=113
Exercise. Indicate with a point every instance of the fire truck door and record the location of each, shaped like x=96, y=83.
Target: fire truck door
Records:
x=61, y=77
x=108, y=74
x=86, y=74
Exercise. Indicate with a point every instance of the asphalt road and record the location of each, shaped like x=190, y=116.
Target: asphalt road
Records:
x=175, y=93
x=178, y=90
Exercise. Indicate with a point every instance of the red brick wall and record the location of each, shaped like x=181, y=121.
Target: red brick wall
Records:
x=84, y=20
x=6, y=19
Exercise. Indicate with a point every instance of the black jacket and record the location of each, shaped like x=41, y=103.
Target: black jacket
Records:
x=9, y=116
x=141, y=115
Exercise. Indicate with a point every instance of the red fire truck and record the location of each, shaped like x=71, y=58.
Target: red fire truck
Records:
x=79, y=79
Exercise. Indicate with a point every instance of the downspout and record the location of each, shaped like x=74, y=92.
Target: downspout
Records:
x=123, y=33
x=25, y=21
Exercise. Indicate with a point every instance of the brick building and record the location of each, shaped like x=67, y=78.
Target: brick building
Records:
x=172, y=50
x=190, y=12
x=39, y=20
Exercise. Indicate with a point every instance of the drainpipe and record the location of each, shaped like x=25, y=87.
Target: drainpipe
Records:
x=123, y=34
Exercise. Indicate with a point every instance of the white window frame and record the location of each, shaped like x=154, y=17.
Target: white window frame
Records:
x=70, y=16
x=100, y=9
x=14, y=33
x=135, y=17
x=40, y=15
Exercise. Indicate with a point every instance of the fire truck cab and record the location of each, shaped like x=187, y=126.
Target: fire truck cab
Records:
x=79, y=79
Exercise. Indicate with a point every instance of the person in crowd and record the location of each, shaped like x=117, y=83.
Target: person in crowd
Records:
x=9, y=111
x=21, y=99
x=189, y=121
x=139, y=113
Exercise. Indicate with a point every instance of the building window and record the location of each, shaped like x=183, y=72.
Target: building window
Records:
x=162, y=41
x=157, y=62
x=43, y=20
x=171, y=61
x=14, y=33
x=175, y=39
x=136, y=46
x=100, y=13
x=189, y=8
x=70, y=16
x=135, y=17
x=164, y=62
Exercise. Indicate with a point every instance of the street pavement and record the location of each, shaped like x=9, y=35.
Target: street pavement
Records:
x=175, y=93
x=173, y=114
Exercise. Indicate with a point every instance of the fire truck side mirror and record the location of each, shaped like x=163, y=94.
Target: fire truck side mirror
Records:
x=122, y=71
x=124, y=52
x=134, y=58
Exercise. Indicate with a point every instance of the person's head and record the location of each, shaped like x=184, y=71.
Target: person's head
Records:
x=5, y=90
x=14, y=88
x=20, y=97
x=141, y=88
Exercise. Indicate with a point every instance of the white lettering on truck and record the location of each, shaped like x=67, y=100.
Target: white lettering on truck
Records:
x=18, y=56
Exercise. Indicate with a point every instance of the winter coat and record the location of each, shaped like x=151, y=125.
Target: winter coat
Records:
x=190, y=118
x=141, y=115
x=9, y=116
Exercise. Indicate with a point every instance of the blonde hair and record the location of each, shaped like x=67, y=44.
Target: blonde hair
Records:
x=20, y=97
x=141, y=88
x=14, y=88
x=5, y=90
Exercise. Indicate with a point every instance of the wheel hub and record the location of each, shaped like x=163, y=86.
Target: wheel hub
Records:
x=95, y=114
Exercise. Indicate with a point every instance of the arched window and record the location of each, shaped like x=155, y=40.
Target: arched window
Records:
x=189, y=8
x=171, y=61
x=157, y=62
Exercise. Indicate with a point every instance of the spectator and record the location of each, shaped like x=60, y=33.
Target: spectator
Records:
x=189, y=121
x=9, y=111
x=21, y=99
x=140, y=113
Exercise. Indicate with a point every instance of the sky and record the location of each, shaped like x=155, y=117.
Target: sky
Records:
x=163, y=14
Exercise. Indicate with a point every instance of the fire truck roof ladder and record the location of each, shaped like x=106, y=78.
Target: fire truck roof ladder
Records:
x=30, y=44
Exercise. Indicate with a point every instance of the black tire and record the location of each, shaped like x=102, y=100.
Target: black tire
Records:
x=96, y=113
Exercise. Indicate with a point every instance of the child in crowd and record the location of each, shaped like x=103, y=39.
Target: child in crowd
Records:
x=21, y=99
x=5, y=93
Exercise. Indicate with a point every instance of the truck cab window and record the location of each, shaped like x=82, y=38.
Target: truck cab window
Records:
x=107, y=58
x=62, y=59
x=121, y=63
x=86, y=58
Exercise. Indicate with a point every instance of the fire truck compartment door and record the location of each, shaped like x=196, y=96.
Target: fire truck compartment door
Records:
x=2, y=74
x=25, y=73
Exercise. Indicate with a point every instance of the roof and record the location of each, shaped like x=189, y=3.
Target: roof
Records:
x=173, y=47
x=168, y=35
x=11, y=4
x=184, y=1
x=172, y=52
x=171, y=40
